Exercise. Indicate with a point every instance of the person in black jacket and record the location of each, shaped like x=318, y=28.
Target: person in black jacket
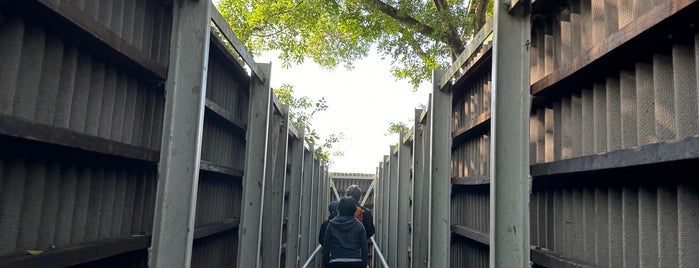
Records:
x=362, y=214
x=332, y=208
x=345, y=244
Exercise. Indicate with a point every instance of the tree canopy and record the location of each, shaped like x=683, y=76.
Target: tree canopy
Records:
x=418, y=35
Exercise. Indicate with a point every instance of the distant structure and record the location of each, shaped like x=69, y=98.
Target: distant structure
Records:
x=339, y=181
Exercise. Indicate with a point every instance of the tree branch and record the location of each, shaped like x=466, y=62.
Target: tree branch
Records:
x=453, y=40
x=416, y=47
x=480, y=9
x=450, y=38
x=404, y=19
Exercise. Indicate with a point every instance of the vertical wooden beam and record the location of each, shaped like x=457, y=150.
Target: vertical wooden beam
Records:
x=509, y=165
x=313, y=213
x=440, y=174
x=386, y=205
x=419, y=252
x=427, y=189
x=392, y=257
x=404, y=188
x=274, y=191
x=296, y=152
x=306, y=204
x=255, y=172
x=176, y=198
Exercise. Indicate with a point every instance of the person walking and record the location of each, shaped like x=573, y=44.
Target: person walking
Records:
x=345, y=244
x=332, y=208
x=361, y=213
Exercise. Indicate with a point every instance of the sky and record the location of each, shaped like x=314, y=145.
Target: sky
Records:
x=361, y=104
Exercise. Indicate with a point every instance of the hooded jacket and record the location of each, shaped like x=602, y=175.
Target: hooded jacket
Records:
x=345, y=241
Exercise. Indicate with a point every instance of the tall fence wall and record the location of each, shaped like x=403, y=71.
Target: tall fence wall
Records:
x=83, y=88
x=614, y=132
x=81, y=124
x=612, y=142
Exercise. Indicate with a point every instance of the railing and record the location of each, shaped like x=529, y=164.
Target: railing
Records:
x=378, y=252
x=373, y=242
x=310, y=258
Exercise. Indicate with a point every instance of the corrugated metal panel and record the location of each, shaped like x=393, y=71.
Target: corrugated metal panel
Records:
x=218, y=198
x=143, y=24
x=218, y=250
x=471, y=208
x=342, y=185
x=624, y=216
x=54, y=81
x=223, y=145
x=466, y=253
x=630, y=222
x=52, y=201
x=54, y=78
x=470, y=155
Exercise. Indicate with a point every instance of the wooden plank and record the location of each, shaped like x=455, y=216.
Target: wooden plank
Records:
x=293, y=132
x=480, y=62
x=471, y=48
x=649, y=154
x=221, y=169
x=227, y=116
x=425, y=111
x=28, y=130
x=334, y=189
x=226, y=31
x=479, y=124
x=547, y=258
x=215, y=228
x=97, y=30
x=408, y=136
x=470, y=234
x=616, y=42
x=77, y=254
x=516, y=4
x=277, y=105
x=471, y=180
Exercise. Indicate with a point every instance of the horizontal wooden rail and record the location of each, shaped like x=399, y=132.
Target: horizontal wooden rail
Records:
x=227, y=116
x=648, y=154
x=237, y=66
x=78, y=254
x=221, y=169
x=624, y=39
x=28, y=130
x=425, y=110
x=483, y=34
x=98, y=31
x=480, y=62
x=408, y=137
x=547, y=258
x=215, y=228
x=294, y=133
x=471, y=180
x=227, y=32
x=471, y=234
x=477, y=125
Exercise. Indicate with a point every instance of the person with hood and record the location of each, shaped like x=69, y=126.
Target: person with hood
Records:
x=345, y=244
x=332, y=207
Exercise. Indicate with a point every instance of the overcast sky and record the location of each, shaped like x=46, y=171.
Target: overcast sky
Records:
x=361, y=104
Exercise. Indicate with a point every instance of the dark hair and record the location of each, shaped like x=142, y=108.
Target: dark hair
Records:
x=347, y=206
x=354, y=191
